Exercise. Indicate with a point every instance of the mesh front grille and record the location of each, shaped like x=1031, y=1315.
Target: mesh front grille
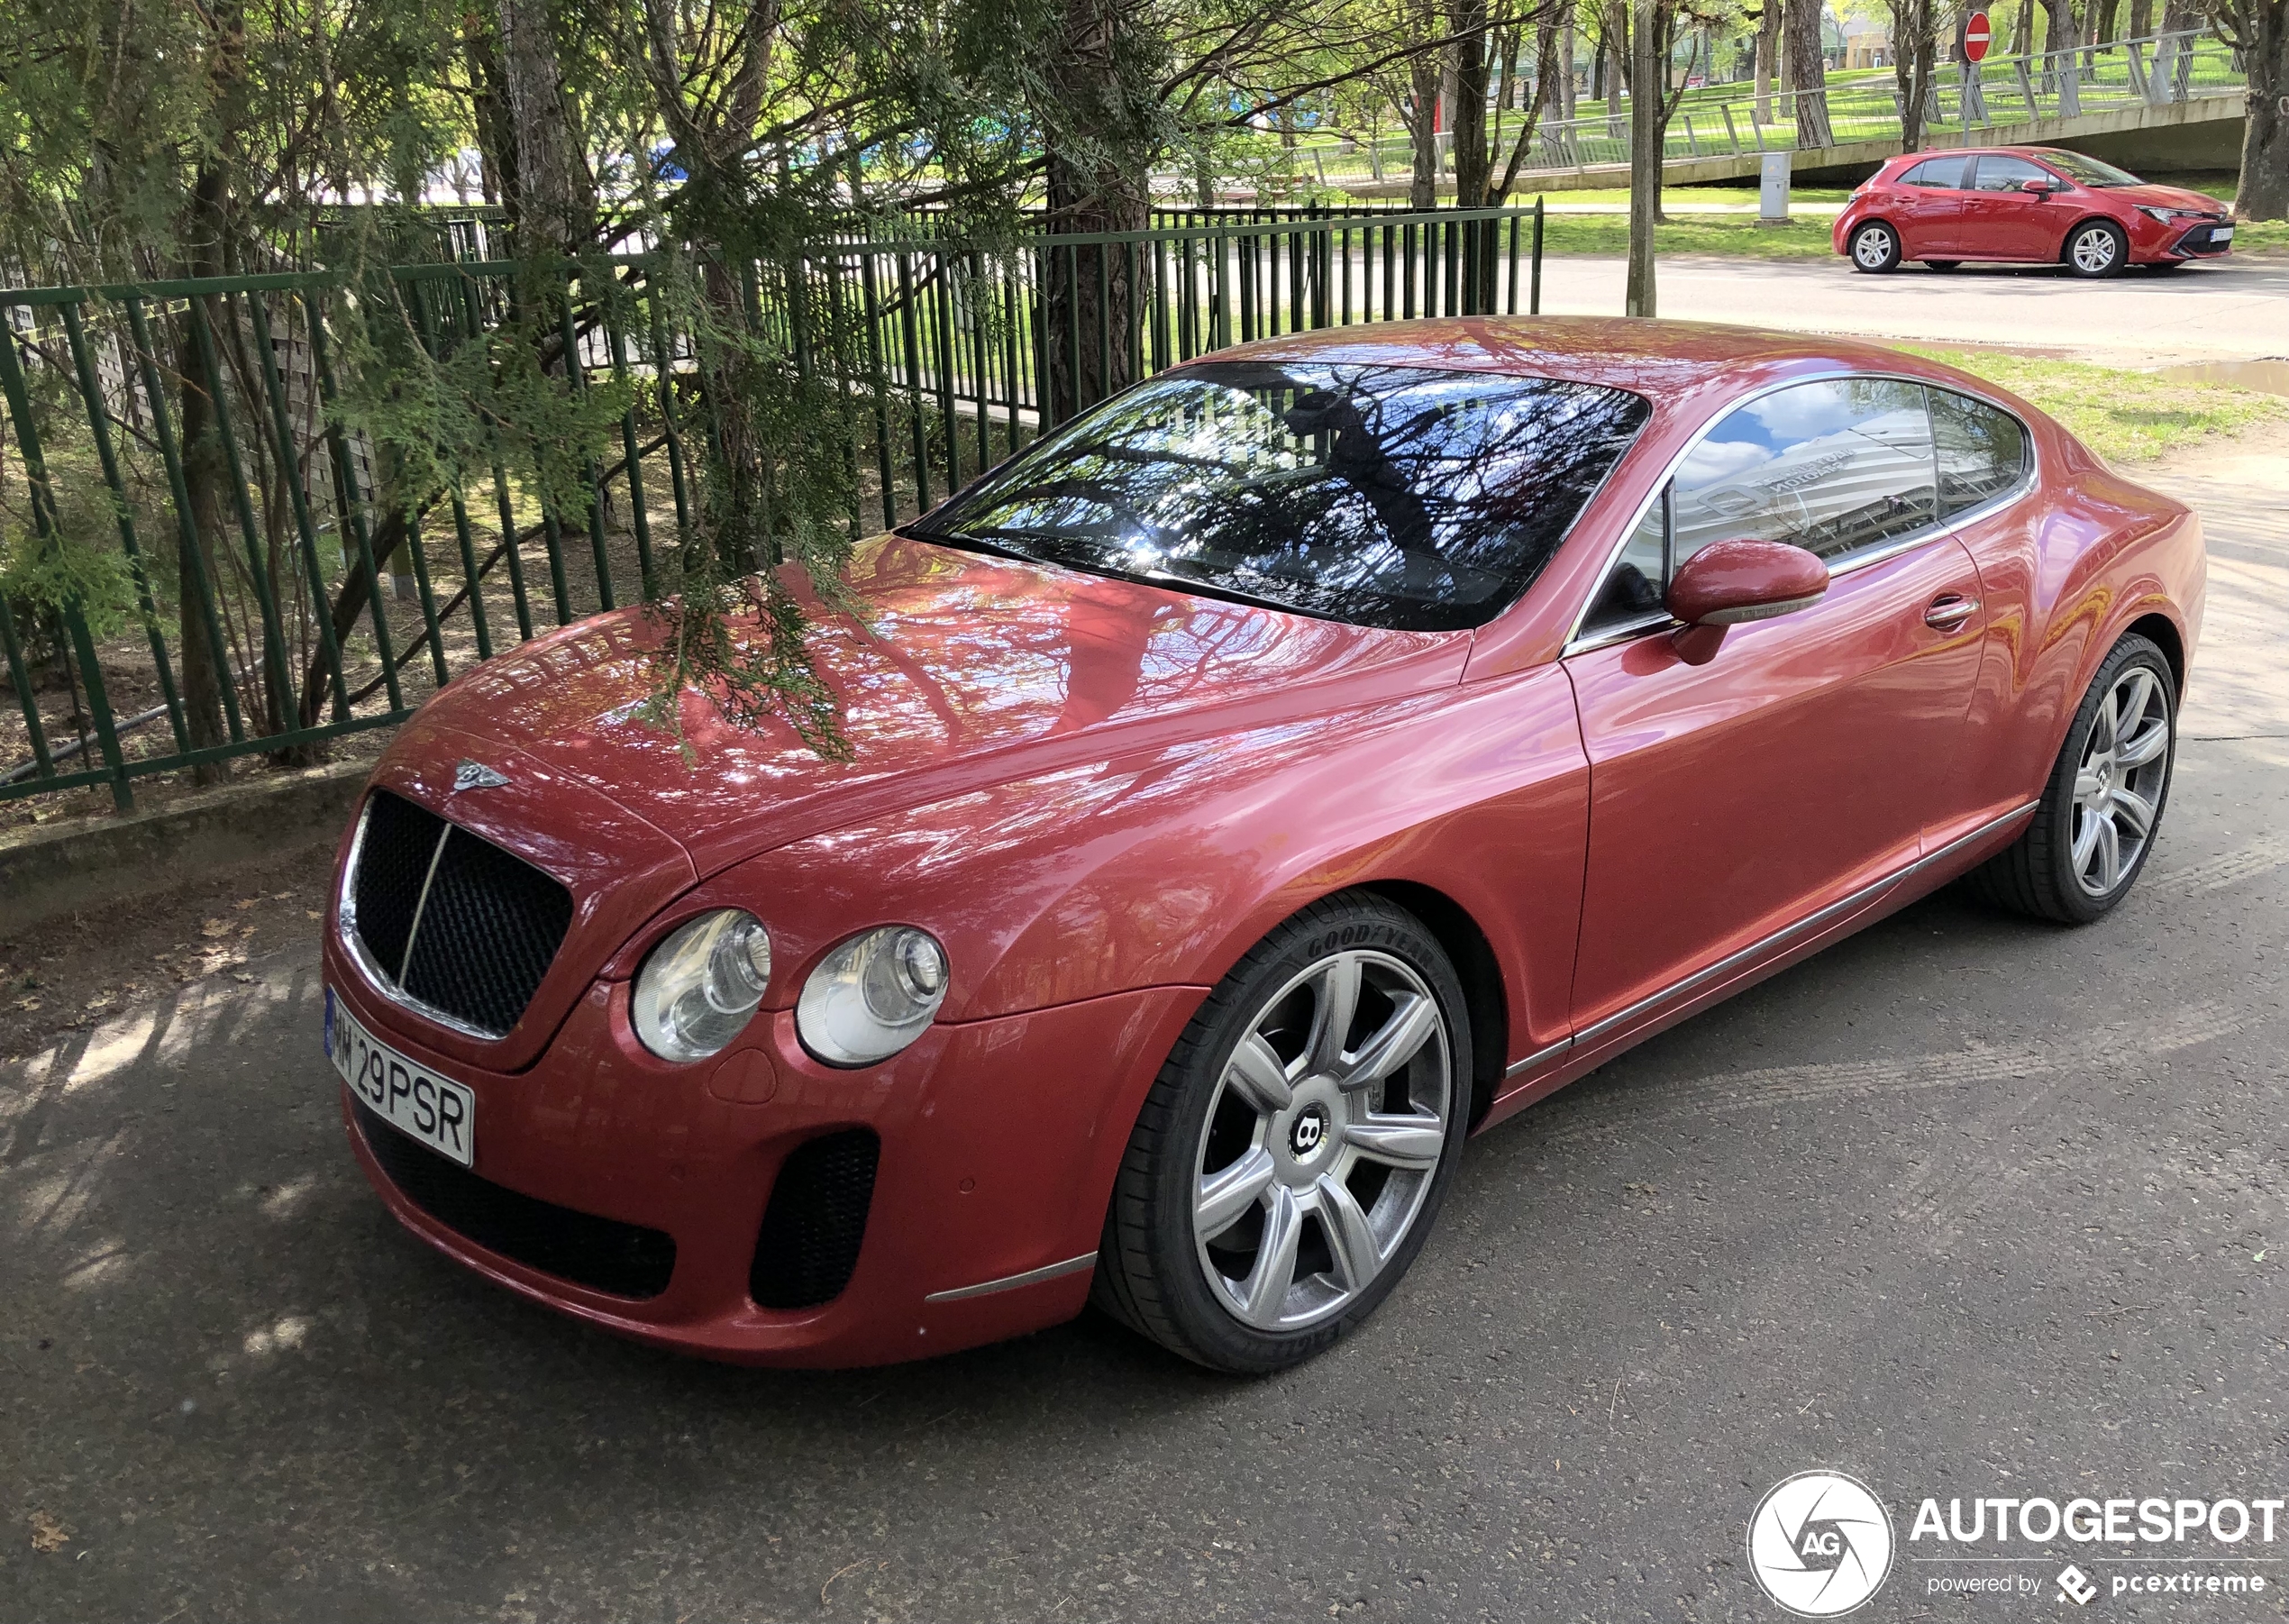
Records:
x=602, y=1253
x=815, y=1223
x=464, y=926
x=393, y=860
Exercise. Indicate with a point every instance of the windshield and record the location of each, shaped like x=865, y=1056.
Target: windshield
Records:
x=2089, y=171
x=1391, y=497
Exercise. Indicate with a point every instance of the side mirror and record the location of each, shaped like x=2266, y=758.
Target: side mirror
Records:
x=1728, y=583
x=2041, y=188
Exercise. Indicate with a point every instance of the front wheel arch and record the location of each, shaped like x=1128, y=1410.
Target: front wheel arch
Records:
x=1485, y=992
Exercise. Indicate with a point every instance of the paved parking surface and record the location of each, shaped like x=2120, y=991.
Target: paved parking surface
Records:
x=1964, y=1206
x=2234, y=310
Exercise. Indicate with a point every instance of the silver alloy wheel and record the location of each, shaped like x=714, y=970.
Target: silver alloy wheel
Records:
x=1871, y=247
x=2118, y=786
x=1320, y=1143
x=2094, y=250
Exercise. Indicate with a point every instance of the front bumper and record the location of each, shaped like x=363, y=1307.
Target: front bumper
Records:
x=999, y=1143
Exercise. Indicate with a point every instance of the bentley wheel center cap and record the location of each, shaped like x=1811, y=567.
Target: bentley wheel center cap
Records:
x=1309, y=1133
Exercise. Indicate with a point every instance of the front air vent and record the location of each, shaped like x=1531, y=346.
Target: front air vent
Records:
x=816, y=1219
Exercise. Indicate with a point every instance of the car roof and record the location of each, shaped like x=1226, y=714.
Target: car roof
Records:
x=1662, y=359
x=1911, y=158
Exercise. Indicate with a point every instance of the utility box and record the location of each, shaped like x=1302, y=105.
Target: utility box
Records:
x=1771, y=189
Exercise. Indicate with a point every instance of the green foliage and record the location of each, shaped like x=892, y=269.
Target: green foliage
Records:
x=79, y=566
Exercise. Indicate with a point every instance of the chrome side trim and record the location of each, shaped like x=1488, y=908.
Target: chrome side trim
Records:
x=1780, y=939
x=1576, y=644
x=1010, y=1282
x=1520, y=1068
x=346, y=929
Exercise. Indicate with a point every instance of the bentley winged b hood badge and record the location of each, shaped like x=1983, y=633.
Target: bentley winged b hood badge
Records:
x=476, y=775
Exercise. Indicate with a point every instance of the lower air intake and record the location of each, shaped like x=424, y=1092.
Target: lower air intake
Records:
x=815, y=1223
x=601, y=1253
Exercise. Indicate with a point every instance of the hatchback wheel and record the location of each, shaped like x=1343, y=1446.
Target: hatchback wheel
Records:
x=2097, y=248
x=1875, y=248
x=2099, y=813
x=1295, y=1147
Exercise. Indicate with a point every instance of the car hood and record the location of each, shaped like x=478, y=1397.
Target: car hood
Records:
x=968, y=670
x=2167, y=196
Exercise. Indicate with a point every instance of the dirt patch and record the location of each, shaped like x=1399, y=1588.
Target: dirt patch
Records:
x=82, y=968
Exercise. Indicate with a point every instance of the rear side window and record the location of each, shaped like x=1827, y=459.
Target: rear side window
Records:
x=1936, y=172
x=1982, y=451
x=1833, y=467
x=2001, y=172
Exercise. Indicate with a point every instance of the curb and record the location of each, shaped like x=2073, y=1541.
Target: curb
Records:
x=47, y=873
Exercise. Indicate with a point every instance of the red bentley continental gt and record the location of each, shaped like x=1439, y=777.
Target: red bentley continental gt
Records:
x=2034, y=204
x=1302, y=761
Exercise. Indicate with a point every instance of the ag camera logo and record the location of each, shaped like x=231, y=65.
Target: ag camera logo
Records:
x=1819, y=1543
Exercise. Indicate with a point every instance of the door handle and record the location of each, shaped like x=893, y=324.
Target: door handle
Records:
x=1949, y=611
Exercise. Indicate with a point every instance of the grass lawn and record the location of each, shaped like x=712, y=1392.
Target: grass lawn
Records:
x=2124, y=415
x=1726, y=235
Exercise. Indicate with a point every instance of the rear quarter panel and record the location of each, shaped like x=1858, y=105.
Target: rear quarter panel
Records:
x=2064, y=573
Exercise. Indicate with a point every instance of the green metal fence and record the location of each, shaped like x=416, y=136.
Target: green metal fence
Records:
x=184, y=479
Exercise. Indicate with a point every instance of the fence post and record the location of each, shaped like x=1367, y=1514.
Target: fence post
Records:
x=43, y=520
x=91, y=394
x=1534, y=305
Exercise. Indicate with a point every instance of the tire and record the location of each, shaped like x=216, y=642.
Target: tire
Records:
x=2046, y=872
x=1350, y=1174
x=2096, y=247
x=1874, y=247
x=1942, y=265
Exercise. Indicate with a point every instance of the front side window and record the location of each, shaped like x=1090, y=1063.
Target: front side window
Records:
x=2001, y=172
x=1838, y=468
x=1833, y=467
x=1942, y=172
x=1393, y=496
x=1982, y=451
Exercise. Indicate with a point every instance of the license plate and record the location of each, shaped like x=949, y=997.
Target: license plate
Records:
x=2222, y=234
x=439, y=1113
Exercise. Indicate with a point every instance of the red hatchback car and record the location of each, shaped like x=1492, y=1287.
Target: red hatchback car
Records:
x=1306, y=758
x=2033, y=204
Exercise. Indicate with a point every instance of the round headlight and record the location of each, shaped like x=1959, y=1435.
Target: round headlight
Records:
x=696, y=991
x=872, y=996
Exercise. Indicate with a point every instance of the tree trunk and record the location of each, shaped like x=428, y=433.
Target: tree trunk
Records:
x=1644, y=158
x=1422, y=130
x=1807, y=75
x=1768, y=50
x=557, y=201
x=1466, y=21
x=1912, y=47
x=2263, y=194
x=2023, y=28
x=1567, y=92
x=488, y=110
x=2141, y=19
x=1096, y=186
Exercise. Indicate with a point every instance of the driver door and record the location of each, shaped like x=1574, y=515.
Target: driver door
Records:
x=1802, y=762
x=2001, y=221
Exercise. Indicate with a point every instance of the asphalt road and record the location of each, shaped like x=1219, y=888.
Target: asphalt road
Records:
x=1964, y=1206
x=2233, y=310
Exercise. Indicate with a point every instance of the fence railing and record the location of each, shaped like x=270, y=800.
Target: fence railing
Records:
x=201, y=559
x=1732, y=119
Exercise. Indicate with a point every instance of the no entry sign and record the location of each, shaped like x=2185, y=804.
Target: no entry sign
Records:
x=1977, y=36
